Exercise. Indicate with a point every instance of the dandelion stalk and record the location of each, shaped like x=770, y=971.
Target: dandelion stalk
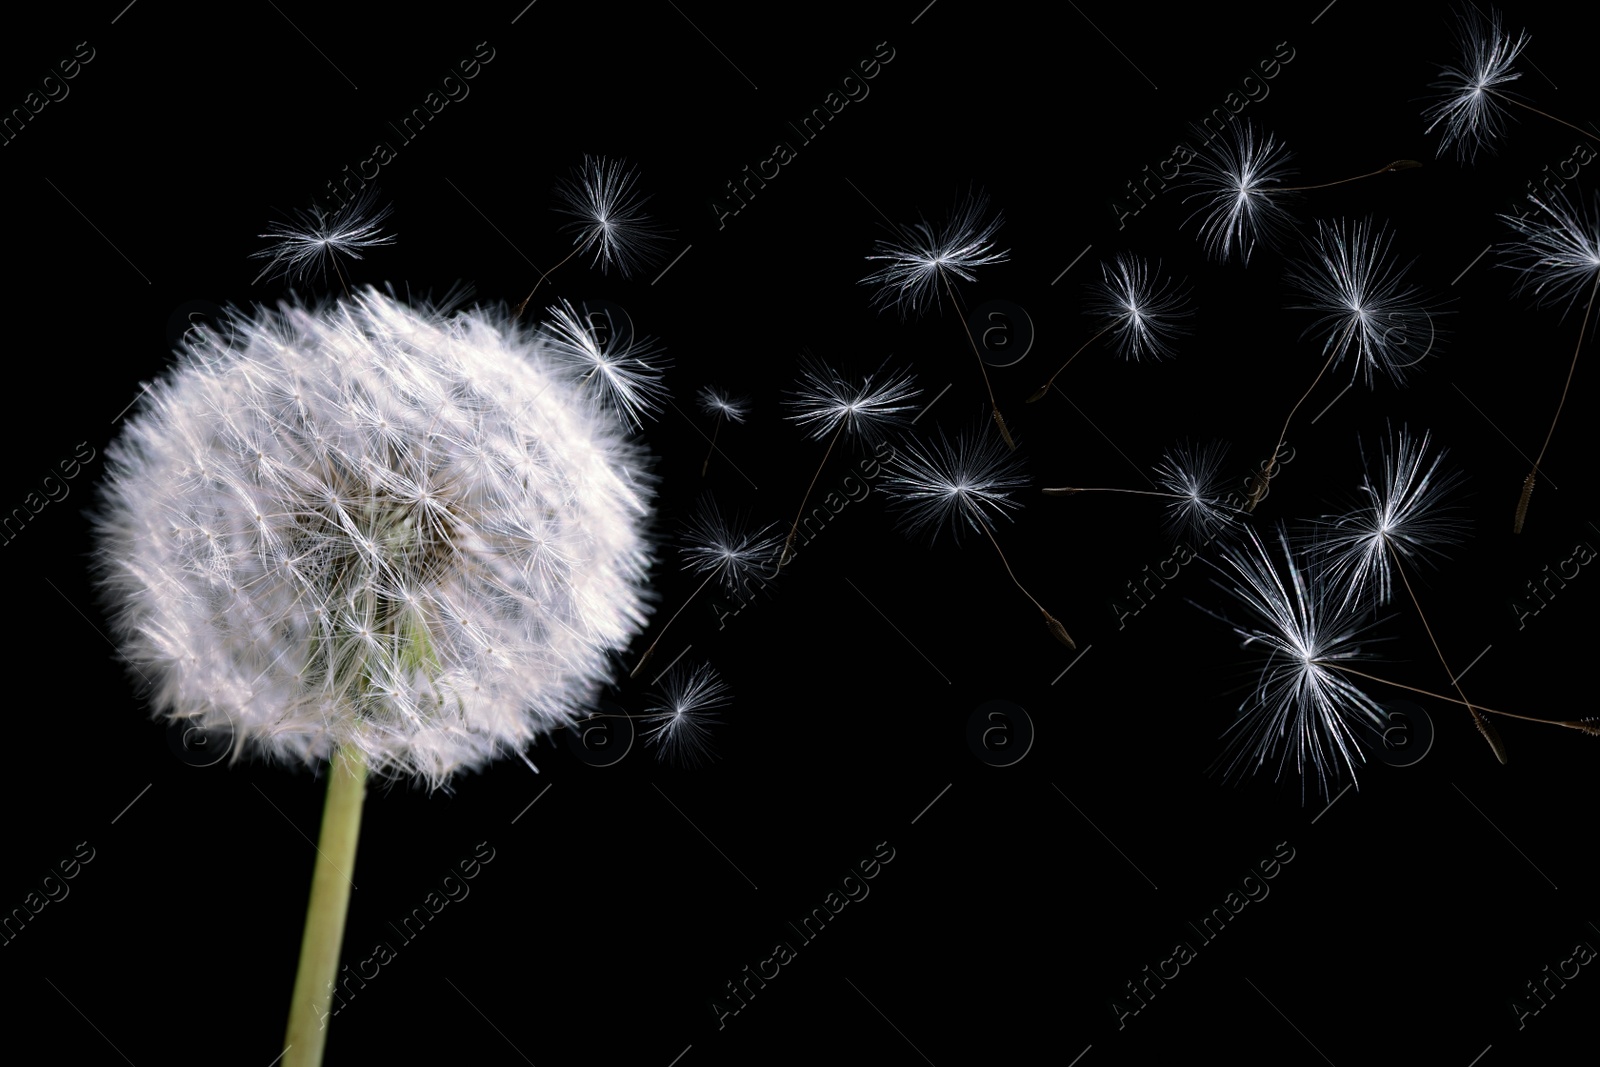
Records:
x=1527, y=483
x=1040, y=393
x=1485, y=727
x=522, y=307
x=1263, y=479
x=994, y=405
x=794, y=528
x=662, y=632
x=1058, y=631
x=716, y=427
x=325, y=915
x=1389, y=168
x=1572, y=724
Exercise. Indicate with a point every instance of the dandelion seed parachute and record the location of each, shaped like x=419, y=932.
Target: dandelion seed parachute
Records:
x=1471, y=103
x=1406, y=514
x=920, y=260
x=1193, y=474
x=1369, y=314
x=374, y=526
x=602, y=199
x=682, y=718
x=961, y=485
x=313, y=238
x=1145, y=313
x=1301, y=705
x=1234, y=179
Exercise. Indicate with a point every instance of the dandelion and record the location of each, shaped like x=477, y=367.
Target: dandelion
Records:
x=1235, y=178
x=1369, y=314
x=1406, y=520
x=1302, y=705
x=681, y=720
x=318, y=237
x=1304, y=701
x=1141, y=312
x=627, y=374
x=607, y=212
x=715, y=402
x=608, y=215
x=374, y=535
x=961, y=486
x=1192, y=474
x=922, y=259
x=1472, y=101
x=828, y=405
x=1189, y=476
x=718, y=548
x=1558, y=259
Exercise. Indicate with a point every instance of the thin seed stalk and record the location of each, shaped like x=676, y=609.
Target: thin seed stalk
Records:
x=325, y=914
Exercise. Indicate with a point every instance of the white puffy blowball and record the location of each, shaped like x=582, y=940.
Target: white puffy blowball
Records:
x=372, y=525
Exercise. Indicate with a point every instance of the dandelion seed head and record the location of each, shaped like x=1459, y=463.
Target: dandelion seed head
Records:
x=375, y=526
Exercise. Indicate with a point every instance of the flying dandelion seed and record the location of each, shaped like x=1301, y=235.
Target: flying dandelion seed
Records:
x=627, y=375
x=1192, y=474
x=1558, y=260
x=1301, y=705
x=602, y=199
x=1369, y=315
x=719, y=548
x=920, y=260
x=961, y=486
x=1406, y=519
x=715, y=402
x=317, y=238
x=1143, y=313
x=1237, y=180
x=1471, y=104
x=682, y=718
x=824, y=402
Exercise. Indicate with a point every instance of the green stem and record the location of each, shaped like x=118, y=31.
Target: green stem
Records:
x=325, y=915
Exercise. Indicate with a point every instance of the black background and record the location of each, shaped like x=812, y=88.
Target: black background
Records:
x=1020, y=899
